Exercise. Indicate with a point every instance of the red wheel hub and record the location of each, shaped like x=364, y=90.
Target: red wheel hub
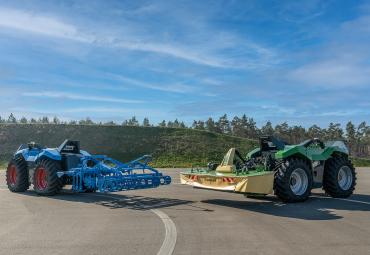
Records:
x=41, y=181
x=12, y=175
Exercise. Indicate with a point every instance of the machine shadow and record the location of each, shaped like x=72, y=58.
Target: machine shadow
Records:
x=318, y=207
x=117, y=201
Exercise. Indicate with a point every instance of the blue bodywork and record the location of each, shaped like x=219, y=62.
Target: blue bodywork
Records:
x=97, y=172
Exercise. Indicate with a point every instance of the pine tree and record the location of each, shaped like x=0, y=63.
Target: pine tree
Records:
x=224, y=124
x=133, y=122
x=162, y=124
x=237, y=128
x=283, y=132
x=12, y=119
x=334, y=132
x=198, y=125
x=251, y=128
x=298, y=134
x=361, y=137
x=315, y=132
x=56, y=120
x=88, y=121
x=267, y=129
x=351, y=137
x=23, y=120
x=45, y=120
x=210, y=125
x=176, y=124
x=146, y=122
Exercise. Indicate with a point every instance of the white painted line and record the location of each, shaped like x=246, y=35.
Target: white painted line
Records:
x=345, y=199
x=351, y=200
x=170, y=238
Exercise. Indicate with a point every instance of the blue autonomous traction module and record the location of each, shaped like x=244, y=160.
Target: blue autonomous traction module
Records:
x=50, y=169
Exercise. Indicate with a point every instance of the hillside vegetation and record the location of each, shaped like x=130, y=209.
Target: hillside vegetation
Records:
x=169, y=146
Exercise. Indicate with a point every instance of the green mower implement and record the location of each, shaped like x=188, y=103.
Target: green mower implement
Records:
x=288, y=171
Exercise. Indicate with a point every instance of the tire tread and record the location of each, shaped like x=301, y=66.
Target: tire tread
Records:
x=22, y=183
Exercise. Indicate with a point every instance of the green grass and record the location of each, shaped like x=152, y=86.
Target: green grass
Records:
x=361, y=162
x=3, y=165
x=170, y=147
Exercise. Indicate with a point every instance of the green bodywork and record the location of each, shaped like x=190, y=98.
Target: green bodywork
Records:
x=313, y=152
x=254, y=173
x=253, y=153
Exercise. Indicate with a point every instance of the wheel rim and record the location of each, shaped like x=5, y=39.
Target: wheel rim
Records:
x=298, y=181
x=12, y=175
x=41, y=178
x=345, y=178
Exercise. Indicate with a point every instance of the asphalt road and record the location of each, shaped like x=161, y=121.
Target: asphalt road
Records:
x=189, y=220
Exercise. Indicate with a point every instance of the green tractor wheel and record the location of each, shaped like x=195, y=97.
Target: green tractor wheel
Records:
x=339, y=177
x=293, y=181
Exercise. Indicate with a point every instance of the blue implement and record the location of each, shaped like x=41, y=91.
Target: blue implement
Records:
x=48, y=169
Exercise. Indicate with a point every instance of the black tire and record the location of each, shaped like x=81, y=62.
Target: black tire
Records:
x=45, y=179
x=283, y=179
x=90, y=191
x=17, y=175
x=331, y=184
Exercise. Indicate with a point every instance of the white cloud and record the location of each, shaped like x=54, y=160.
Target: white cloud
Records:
x=39, y=24
x=70, y=96
x=174, y=87
x=202, y=53
x=100, y=113
x=175, y=51
x=332, y=74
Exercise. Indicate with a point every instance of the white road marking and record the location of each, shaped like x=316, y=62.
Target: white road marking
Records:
x=345, y=199
x=170, y=238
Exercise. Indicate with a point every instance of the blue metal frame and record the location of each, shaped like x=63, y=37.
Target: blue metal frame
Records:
x=99, y=172
x=110, y=175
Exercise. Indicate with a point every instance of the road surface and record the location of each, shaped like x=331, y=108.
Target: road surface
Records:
x=183, y=220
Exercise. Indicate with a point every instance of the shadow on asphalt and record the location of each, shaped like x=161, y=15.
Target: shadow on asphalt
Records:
x=116, y=201
x=318, y=207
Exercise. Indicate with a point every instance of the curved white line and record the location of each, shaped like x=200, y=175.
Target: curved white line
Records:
x=170, y=237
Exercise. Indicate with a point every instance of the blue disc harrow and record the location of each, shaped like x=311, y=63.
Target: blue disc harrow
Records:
x=49, y=169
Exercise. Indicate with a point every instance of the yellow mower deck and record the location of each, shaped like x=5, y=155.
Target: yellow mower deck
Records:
x=256, y=182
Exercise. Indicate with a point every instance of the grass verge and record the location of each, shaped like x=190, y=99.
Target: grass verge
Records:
x=361, y=162
x=3, y=165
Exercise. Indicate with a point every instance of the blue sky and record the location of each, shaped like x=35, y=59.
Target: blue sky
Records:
x=305, y=62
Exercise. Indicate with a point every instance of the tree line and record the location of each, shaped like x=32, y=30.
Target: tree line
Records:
x=356, y=137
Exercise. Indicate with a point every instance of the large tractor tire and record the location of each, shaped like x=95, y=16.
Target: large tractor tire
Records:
x=45, y=179
x=17, y=175
x=293, y=181
x=339, y=177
